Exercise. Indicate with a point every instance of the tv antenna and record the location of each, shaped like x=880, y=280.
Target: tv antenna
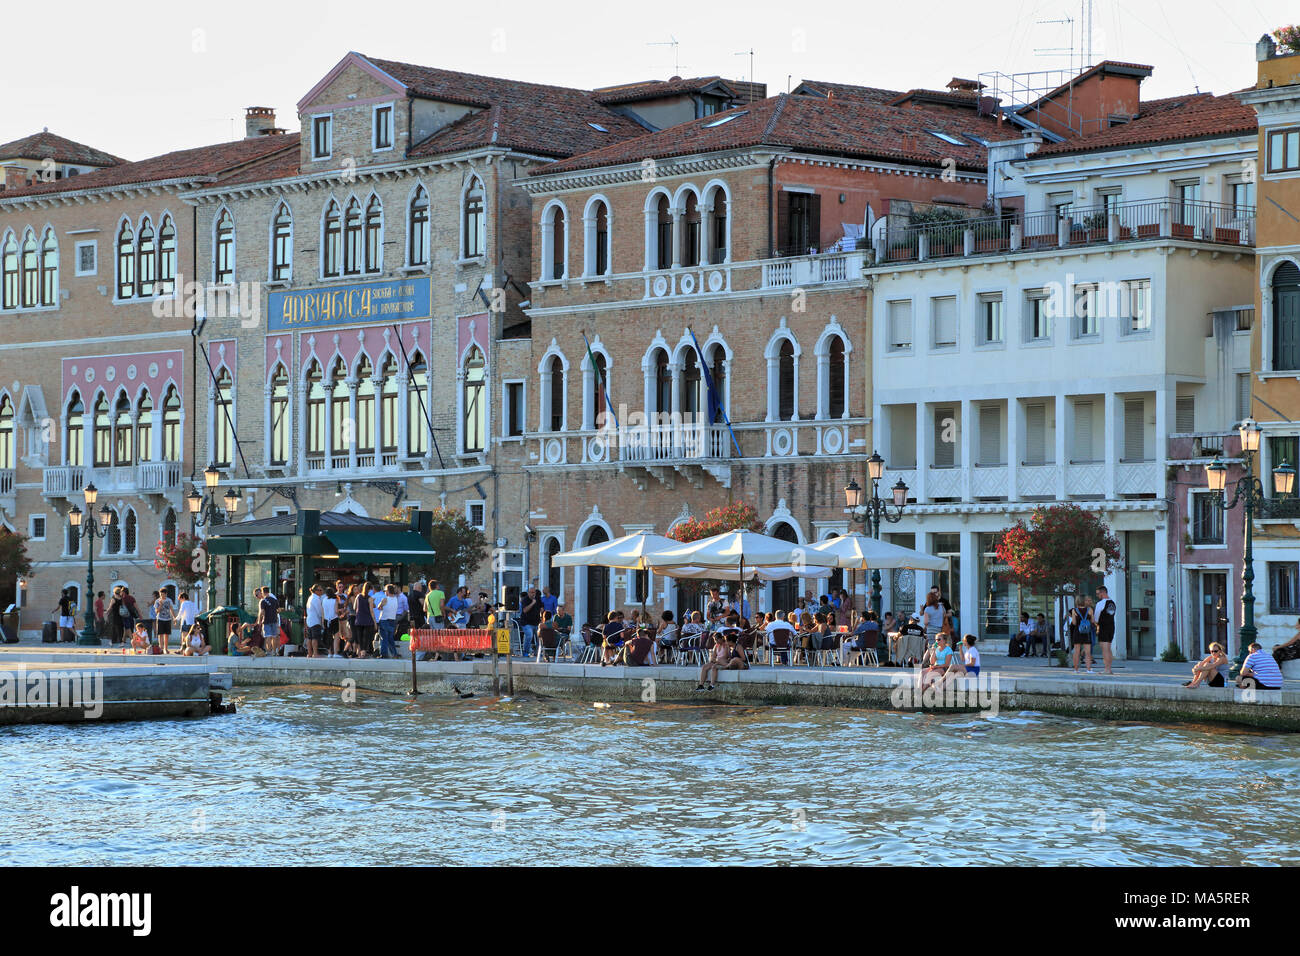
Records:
x=1056, y=50
x=672, y=42
x=750, y=53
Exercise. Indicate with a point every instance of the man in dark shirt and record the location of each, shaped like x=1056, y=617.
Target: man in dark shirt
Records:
x=269, y=615
x=530, y=615
x=908, y=634
x=638, y=650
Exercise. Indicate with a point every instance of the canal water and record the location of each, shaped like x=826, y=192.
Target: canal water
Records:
x=299, y=776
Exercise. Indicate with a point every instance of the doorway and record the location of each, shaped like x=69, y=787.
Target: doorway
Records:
x=1213, y=595
x=597, y=603
x=785, y=593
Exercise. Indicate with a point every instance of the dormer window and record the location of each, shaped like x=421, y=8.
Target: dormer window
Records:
x=383, y=132
x=322, y=137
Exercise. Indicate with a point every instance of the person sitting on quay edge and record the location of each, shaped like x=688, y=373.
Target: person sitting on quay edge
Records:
x=1289, y=650
x=739, y=660
x=1259, y=670
x=193, y=643
x=250, y=640
x=937, y=660
x=1212, y=670
x=140, y=639
x=719, y=658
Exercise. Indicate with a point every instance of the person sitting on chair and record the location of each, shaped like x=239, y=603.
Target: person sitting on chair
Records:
x=548, y=638
x=638, y=649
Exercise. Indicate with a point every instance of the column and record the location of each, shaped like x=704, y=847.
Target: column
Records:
x=266, y=423
x=301, y=388
x=966, y=460
x=377, y=420
x=1061, y=452
x=1111, y=449
x=922, y=451
x=678, y=237
x=1014, y=413
x=671, y=439
x=706, y=233
x=823, y=386
x=352, y=417
x=969, y=601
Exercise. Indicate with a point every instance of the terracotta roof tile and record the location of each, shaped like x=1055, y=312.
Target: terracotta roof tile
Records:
x=654, y=89
x=47, y=145
x=1193, y=116
x=839, y=127
x=201, y=163
x=547, y=120
x=870, y=94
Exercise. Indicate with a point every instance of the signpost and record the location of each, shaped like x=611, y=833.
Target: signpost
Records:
x=466, y=640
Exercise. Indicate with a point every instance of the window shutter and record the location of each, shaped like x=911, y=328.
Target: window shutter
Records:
x=782, y=220
x=1082, y=431
x=1286, y=329
x=1035, y=434
x=1243, y=396
x=1185, y=414
x=945, y=321
x=944, y=451
x=990, y=435
x=1134, y=432
x=815, y=221
x=900, y=325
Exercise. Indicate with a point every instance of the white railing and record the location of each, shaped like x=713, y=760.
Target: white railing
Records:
x=675, y=442
x=365, y=461
x=989, y=481
x=63, y=480
x=159, y=477
x=315, y=462
x=1137, y=478
x=339, y=462
x=778, y=275
x=813, y=269
x=6, y=481
x=1085, y=478
x=1036, y=481
x=943, y=482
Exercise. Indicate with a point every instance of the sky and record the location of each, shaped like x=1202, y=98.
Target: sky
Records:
x=142, y=78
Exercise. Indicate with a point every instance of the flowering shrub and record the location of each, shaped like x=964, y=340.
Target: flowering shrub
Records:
x=737, y=516
x=1288, y=37
x=176, y=556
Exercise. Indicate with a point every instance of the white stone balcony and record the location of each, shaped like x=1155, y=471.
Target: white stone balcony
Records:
x=8, y=497
x=796, y=272
x=163, y=478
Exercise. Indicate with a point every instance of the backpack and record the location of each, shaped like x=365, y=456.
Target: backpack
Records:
x=1016, y=647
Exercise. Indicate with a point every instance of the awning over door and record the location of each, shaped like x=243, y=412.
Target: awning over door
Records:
x=371, y=547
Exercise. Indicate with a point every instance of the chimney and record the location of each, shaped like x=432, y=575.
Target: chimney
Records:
x=258, y=121
x=14, y=177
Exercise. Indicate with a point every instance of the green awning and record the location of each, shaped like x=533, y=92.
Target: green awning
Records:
x=375, y=547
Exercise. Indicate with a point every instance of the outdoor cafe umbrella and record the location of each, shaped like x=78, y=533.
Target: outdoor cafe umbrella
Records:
x=739, y=550
x=859, y=552
x=627, y=553
x=728, y=574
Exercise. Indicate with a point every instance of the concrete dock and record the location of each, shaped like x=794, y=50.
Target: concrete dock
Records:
x=1144, y=691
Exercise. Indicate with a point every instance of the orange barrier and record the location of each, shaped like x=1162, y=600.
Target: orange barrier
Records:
x=452, y=640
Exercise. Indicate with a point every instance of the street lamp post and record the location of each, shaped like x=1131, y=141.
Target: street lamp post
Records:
x=90, y=530
x=870, y=511
x=1249, y=491
x=204, y=513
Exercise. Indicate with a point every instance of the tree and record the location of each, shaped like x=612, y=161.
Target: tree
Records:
x=459, y=547
x=183, y=558
x=1059, y=548
x=14, y=564
x=737, y=516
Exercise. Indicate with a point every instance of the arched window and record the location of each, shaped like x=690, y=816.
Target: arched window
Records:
x=123, y=433
x=475, y=407
x=282, y=244
x=103, y=434
x=332, y=251
x=169, y=525
x=554, y=574
x=663, y=383
x=75, y=447
x=691, y=386
x=113, y=540
x=6, y=433
x=836, y=391
x=125, y=261
x=691, y=231
x=49, y=269
x=279, y=416
x=144, y=426
x=223, y=427
x=31, y=272
x=785, y=381
x=417, y=407
x=223, y=250
x=596, y=261
x=9, y=269
x=596, y=411
x=784, y=593
x=1286, y=318
x=473, y=231
x=171, y=425
x=341, y=429
x=167, y=257
x=417, y=229
x=388, y=395
x=718, y=232
x=129, y=532
x=146, y=263
x=663, y=235
x=74, y=540
x=353, y=253
x=555, y=394
x=374, y=233
x=718, y=369
x=365, y=427
x=315, y=411
x=554, y=243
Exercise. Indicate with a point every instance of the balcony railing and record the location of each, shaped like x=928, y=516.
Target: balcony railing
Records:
x=813, y=269
x=6, y=481
x=144, y=478
x=1136, y=220
x=675, y=443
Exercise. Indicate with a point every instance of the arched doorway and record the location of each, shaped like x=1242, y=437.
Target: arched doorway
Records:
x=836, y=581
x=784, y=593
x=597, y=582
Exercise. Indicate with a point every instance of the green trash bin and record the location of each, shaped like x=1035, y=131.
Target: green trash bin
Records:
x=218, y=622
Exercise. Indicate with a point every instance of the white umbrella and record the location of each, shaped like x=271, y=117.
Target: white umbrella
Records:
x=733, y=574
x=628, y=552
x=738, y=549
x=858, y=552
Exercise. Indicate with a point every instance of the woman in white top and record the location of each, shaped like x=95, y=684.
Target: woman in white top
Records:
x=194, y=645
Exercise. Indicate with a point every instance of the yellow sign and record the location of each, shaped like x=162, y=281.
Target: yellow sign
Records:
x=503, y=640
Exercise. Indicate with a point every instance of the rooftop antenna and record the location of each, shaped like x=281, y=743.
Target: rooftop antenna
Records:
x=750, y=53
x=1085, y=37
x=672, y=42
x=1068, y=51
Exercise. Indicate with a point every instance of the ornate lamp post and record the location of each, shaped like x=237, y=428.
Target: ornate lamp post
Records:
x=204, y=513
x=1250, y=493
x=872, y=510
x=90, y=530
